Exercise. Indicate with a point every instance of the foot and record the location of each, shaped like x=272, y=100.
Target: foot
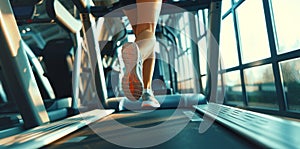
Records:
x=132, y=81
x=149, y=100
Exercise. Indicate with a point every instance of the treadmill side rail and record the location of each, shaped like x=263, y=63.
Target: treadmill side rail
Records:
x=48, y=133
x=269, y=131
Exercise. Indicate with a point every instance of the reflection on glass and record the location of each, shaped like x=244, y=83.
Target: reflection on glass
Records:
x=253, y=33
x=260, y=87
x=228, y=47
x=233, y=92
x=286, y=17
x=226, y=4
x=290, y=71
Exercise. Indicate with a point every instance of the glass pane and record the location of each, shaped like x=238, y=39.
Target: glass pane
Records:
x=290, y=71
x=186, y=66
x=183, y=42
x=179, y=70
x=236, y=1
x=220, y=90
x=233, y=92
x=180, y=21
x=260, y=87
x=185, y=86
x=205, y=12
x=201, y=22
x=203, y=56
x=228, y=47
x=187, y=37
x=286, y=17
x=204, y=81
x=253, y=33
x=226, y=5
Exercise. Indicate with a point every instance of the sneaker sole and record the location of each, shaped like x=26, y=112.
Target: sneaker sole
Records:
x=149, y=104
x=132, y=84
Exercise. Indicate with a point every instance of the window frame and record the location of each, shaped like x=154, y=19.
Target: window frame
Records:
x=274, y=60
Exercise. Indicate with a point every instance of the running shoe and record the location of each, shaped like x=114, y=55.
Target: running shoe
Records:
x=132, y=81
x=149, y=100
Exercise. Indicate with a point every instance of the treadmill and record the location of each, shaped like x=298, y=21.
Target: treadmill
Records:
x=183, y=121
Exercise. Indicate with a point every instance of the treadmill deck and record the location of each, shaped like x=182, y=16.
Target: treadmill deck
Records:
x=189, y=137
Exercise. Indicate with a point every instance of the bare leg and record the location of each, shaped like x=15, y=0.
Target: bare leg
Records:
x=143, y=19
x=145, y=35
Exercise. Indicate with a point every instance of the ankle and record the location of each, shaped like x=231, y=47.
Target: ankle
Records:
x=147, y=90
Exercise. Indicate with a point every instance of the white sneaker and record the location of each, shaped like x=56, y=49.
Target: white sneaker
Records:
x=149, y=100
x=132, y=81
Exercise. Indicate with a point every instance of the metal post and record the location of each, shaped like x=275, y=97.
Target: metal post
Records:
x=195, y=51
x=91, y=40
x=213, y=38
x=18, y=77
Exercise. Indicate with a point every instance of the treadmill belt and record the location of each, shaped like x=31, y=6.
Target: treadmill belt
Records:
x=189, y=137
